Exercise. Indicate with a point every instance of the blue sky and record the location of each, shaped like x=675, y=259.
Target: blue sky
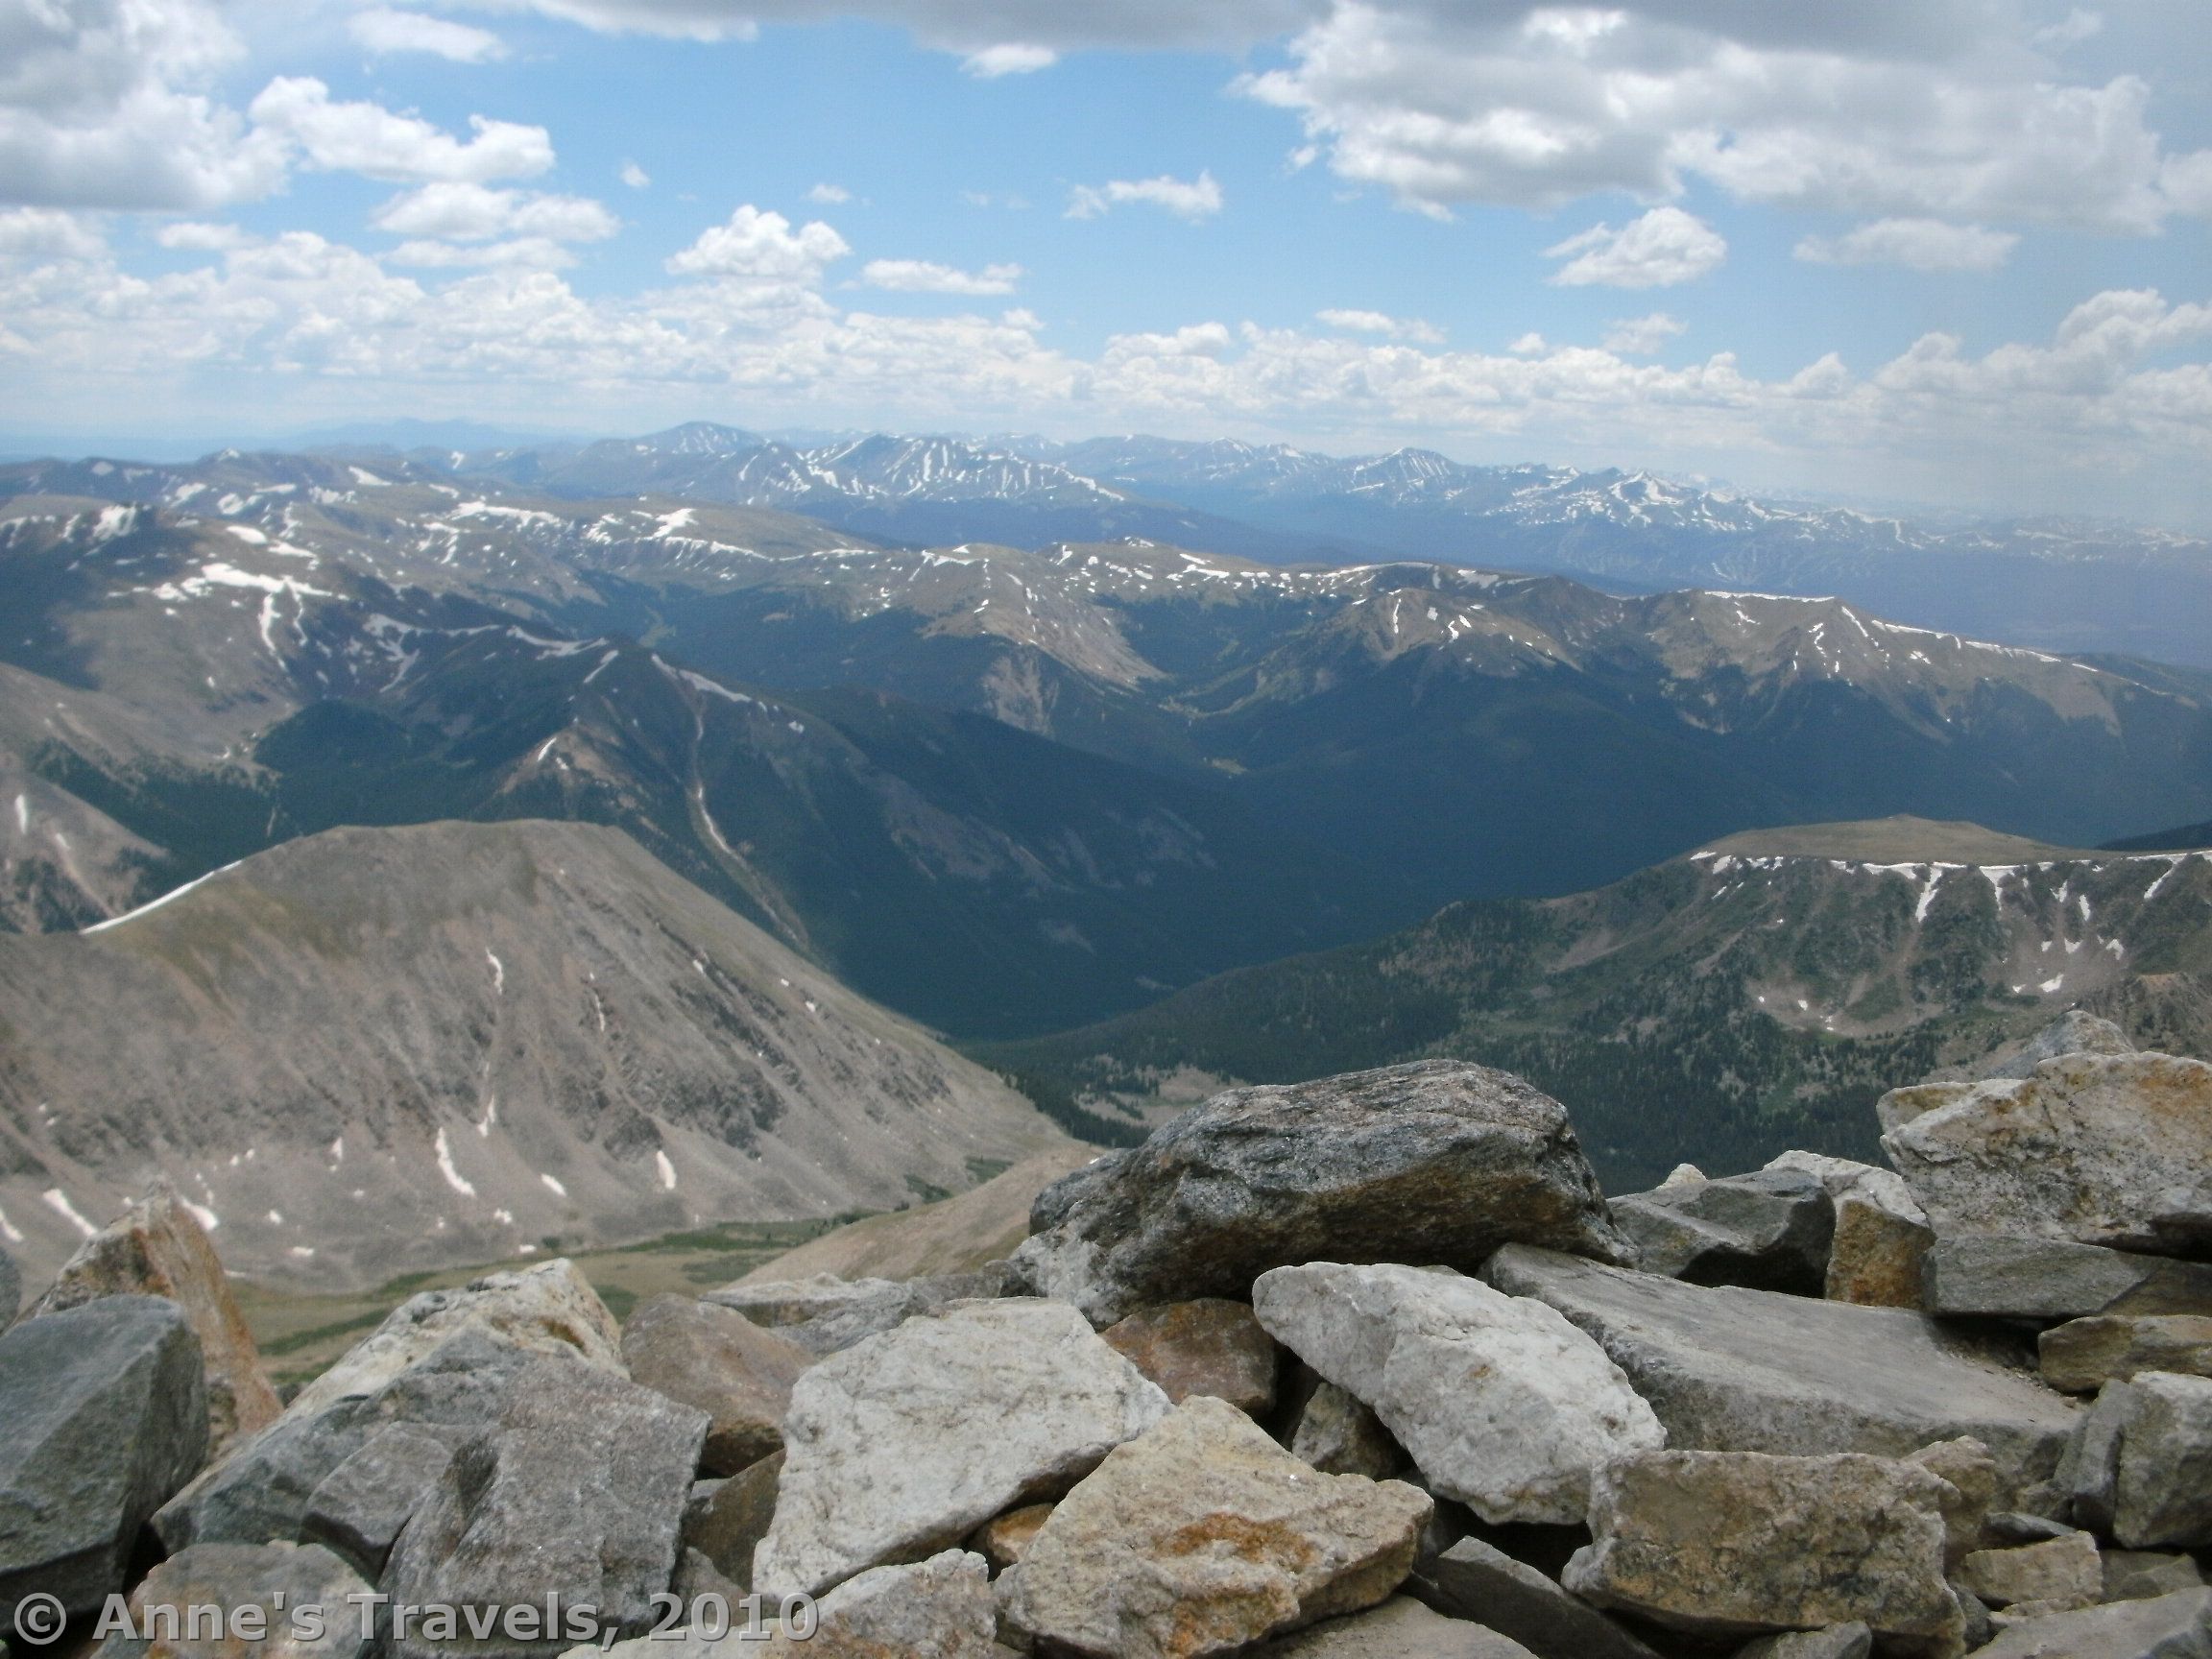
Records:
x=1951, y=251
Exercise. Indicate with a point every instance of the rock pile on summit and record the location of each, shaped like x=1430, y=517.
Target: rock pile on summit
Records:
x=1366, y=1367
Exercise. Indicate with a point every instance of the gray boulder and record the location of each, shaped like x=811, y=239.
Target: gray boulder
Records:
x=577, y=1490
x=1881, y=1231
x=2177, y=1626
x=2083, y=1355
x=2111, y=1150
x=102, y=1416
x=278, y=1588
x=903, y=1445
x=2144, y=1575
x=1770, y=1230
x=548, y=1308
x=11, y=1288
x=1399, y=1629
x=1339, y=1434
x=1724, y=1543
x=261, y=1493
x=2141, y=1468
x=1731, y=1369
x=2076, y=1031
x=826, y=1315
x=1500, y=1401
x=2059, y=1278
x=358, y=1510
x=1473, y=1580
x=1438, y=1162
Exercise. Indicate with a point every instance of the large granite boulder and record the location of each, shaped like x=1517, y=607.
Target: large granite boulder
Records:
x=1770, y=1230
x=297, y=1595
x=158, y=1248
x=1475, y=1580
x=1211, y=1346
x=577, y=1490
x=358, y=1510
x=1499, y=1399
x=547, y=1308
x=102, y=1416
x=1881, y=1233
x=263, y=1491
x=1201, y=1536
x=2175, y=1627
x=2058, y=1574
x=2111, y=1150
x=2083, y=1355
x=826, y=1315
x=899, y=1447
x=1401, y=1628
x=1735, y=1370
x=2142, y=1467
x=1439, y=1162
x=1738, y=1543
x=715, y=1358
x=2039, y=1278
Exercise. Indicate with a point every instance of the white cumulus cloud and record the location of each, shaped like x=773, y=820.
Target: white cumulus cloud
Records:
x=1008, y=58
x=462, y=212
x=1939, y=108
x=1920, y=244
x=1187, y=198
x=1662, y=247
x=382, y=29
x=46, y=232
x=761, y=246
x=1380, y=322
x=926, y=277
x=1642, y=336
x=375, y=142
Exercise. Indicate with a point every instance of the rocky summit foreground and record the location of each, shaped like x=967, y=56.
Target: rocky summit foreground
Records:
x=1361, y=1369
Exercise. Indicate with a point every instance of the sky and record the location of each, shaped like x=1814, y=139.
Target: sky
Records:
x=1950, y=252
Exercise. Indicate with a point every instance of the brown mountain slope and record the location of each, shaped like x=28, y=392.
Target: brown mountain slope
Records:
x=382, y=1049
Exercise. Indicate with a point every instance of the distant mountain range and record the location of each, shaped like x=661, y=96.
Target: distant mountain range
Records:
x=1004, y=790
x=2053, y=585
x=1755, y=994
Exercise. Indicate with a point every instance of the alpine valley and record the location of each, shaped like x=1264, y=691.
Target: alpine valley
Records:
x=828, y=756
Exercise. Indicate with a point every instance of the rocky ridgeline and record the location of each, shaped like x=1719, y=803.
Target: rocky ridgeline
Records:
x=1362, y=1367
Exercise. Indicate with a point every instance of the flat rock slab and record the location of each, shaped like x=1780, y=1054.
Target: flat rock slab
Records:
x=2037, y=1278
x=1438, y=1162
x=276, y=1582
x=158, y=1248
x=1210, y=1346
x=2177, y=1626
x=1735, y=1370
x=545, y=1310
x=1737, y=1543
x=718, y=1361
x=358, y=1510
x=1400, y=1628
x=1500, y=1401
x=1474, y=1581
x=903, y=1445
x=2058, y=1573
x=103, y=1416
x=1201, y=1536
x=2083, y=1355
x=578, y=1490
x=2113, y=1149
